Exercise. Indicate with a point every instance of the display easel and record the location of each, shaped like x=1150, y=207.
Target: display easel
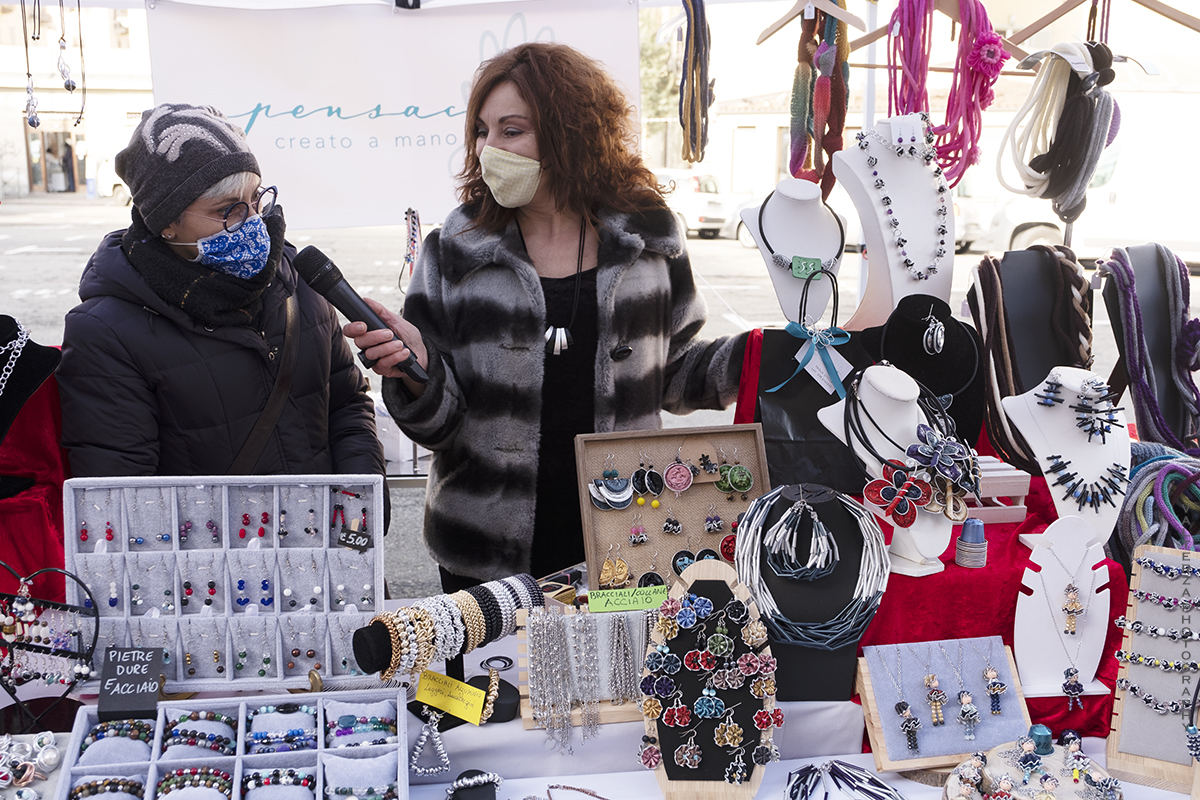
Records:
x=1038, y=629
x=888, y=762
x=1142, y=769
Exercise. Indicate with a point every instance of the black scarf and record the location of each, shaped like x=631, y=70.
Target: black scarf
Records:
x=204, y=294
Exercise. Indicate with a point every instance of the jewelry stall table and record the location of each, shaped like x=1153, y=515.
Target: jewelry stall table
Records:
x=640, y=785
x=960, y=603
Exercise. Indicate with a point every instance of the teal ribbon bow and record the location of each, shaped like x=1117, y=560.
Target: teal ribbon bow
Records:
x=821, y=340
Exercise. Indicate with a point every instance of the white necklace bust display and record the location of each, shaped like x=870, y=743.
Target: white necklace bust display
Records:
x=890, y=397
x=797, y=234
x=1081, y=443
x=898, y=197
x=1054, y=632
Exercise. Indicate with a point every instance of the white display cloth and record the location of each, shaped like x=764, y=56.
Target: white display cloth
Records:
x=641, y=785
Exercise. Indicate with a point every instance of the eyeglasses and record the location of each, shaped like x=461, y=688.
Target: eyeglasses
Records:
x=234, y=217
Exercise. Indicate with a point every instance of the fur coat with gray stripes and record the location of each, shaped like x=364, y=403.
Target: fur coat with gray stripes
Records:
x=477, y=300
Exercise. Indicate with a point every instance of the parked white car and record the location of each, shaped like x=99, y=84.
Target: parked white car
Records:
x=697, y=201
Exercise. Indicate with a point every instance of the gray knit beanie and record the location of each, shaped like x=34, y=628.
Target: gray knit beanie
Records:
x=176, y=154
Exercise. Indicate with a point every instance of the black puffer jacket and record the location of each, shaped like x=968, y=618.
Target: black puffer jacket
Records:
x=147, y=390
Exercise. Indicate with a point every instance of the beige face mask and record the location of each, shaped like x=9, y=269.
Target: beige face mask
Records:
x=512, y=178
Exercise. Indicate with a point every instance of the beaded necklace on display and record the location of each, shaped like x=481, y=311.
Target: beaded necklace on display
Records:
x=924, y=152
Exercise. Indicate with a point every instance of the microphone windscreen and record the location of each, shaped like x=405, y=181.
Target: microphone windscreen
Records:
x=316, y=269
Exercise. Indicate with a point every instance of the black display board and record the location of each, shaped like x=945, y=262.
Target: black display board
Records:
x=691, y=684
x=806, y=673
x=799, y=448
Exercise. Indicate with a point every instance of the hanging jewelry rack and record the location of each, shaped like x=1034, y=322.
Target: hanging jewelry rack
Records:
x=76, y=651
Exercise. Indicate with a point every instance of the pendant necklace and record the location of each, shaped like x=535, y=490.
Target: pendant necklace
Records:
x=968, y=713
x=927, y=153
x=936, y=697
x=1071, y=686
x=559, y=339
x=909, y=724
x=803, y=266
x=995, y=687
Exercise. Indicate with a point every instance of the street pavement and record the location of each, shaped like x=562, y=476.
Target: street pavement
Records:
x=45, y=242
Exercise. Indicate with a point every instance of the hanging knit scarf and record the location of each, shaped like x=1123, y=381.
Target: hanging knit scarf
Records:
x=981, y=57
x=210, y=297
x=1185, y=339
x=819, y=100
x=695, y=89
x=1161, y=507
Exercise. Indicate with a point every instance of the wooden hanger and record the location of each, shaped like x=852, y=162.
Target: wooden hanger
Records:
x=829, y=7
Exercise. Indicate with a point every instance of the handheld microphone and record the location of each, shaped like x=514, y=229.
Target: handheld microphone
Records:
x=324, y=278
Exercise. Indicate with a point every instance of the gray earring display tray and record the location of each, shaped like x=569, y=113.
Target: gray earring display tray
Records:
x=247, y=590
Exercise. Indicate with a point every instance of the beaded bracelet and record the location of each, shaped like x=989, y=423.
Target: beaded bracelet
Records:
x=282, y=708
x=1172, y=707
x=206, y=777
x=425, y=631
x=302, y=743
x=508, y=606
x=443, y=626
x=388, y=621
x=457, y=633
x=201, y=735
x=1169, y=603
x=537, y=597
x=408, y=640
x=473, y=781
x=520, y=591
x=136, y=729
x=290, y=735
x=124, y=785
x=224, y=749
x=358, y=791
x=473, y=620
x=493, y=624
x=276, y=777
x=1165, y=665
x=493, y=691
x=369, y=728
x=210, y=716
x=384, y=740
x=1174, y=634
x=1168, y=571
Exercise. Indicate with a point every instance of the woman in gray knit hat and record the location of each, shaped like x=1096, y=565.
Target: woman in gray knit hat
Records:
x=170, y=358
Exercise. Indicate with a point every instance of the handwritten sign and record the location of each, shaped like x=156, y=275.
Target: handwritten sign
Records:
x=636, y=598
x=453, y=697
x=129, y=683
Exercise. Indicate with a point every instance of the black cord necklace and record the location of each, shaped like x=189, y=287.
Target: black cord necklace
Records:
x=559, y=339
x=802, y=266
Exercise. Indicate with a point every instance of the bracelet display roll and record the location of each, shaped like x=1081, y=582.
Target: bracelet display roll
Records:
x=115, y=785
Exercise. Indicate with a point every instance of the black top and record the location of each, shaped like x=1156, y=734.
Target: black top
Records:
x=568, y=408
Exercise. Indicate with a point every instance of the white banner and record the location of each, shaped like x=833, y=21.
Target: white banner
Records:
x=357, y=112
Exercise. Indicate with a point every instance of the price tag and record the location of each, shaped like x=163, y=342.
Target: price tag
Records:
x=816, y=366
x=354, y=540
x=635, y=598
x=454, y=697
x=129, y=683
x=810, y=11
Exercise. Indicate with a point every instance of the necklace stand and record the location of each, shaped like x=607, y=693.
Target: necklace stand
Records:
x=891, y=398
x=796, y=223
x=1041, y=647
x=913, y=189
x=1052, y=431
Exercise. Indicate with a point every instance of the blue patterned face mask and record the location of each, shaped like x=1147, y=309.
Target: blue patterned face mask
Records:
x=242, y=253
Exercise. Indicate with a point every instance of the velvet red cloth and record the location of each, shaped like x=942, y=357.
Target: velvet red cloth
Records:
x=960, y=602
x=31, y=523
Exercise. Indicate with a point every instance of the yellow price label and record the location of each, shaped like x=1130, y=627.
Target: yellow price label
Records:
x=635, y=598
x=454, y=697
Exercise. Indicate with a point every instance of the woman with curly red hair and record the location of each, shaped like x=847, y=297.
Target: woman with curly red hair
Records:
x=556, y=300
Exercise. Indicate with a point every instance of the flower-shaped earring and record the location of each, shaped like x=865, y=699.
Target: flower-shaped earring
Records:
x=649, y=756
x=688, y=754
